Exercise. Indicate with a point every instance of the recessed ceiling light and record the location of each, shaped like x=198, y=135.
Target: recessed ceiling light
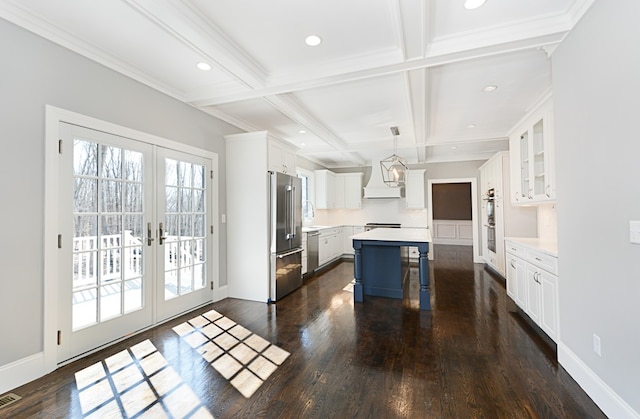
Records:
x=471, y=126
x=204, y=66
x=473, y=4
x=453, y=147
x=313, y=40
x=489, y=88
x=302, y=131
x=302, y=144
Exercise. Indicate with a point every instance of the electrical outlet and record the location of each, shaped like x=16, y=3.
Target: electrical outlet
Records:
x=596, y=344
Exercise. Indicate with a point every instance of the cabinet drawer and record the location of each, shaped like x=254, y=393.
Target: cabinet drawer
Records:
x=515, y=249
x=326, y=232
x=543, y=261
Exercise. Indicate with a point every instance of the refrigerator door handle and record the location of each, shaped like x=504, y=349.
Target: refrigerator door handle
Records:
x=289, y=213
x=293, y=212
x=292, y=252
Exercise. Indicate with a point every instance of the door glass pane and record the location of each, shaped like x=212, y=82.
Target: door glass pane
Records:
x=85, y=158
x=133, y=166
x=132, y=295
x=199, y=277
x=110, y=301
x=111, y=162
x=85, y=308
x=171, y=172
x=108, y=232
x=85, y=194
x=185, y=228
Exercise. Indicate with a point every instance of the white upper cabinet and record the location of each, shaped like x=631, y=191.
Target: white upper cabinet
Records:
x=282, y=158
x=325, y=189
x=532, y=158
x=351, y=190
x=414, y=189
x=338, y=190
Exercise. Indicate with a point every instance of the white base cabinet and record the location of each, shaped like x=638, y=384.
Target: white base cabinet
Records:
x=532, y=282
x=347, y=232
x=329, y=245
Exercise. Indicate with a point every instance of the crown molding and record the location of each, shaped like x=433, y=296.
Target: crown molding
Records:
x=185, y=23
x=555, y=25
x=14, y=12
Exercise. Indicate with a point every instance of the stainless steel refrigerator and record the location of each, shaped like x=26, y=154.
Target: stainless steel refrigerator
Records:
x=286, y=234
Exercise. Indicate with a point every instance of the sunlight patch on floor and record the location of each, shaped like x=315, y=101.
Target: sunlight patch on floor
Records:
x=136, y=382
x=239, y=355
x=349, y=286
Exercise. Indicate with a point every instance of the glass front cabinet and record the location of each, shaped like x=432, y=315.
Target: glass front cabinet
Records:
x=532, y=158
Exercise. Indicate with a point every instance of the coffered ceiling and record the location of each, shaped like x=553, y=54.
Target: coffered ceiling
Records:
x=420, y=65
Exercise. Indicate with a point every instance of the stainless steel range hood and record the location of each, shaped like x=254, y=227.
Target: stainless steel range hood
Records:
x=376, y=188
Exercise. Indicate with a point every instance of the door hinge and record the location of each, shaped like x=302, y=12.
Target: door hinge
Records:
x=211, y=284
x=60, y=146
x=211, y=229
x=59, y=241
x=211, y=174
x=59, y=337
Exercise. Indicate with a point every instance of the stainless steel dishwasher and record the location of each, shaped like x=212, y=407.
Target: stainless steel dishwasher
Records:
x=312, y=251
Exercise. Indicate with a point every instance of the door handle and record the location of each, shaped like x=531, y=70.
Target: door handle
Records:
x=293, y=252
x=162, y=237
x=149, y=235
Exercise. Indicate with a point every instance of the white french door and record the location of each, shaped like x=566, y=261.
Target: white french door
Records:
x=134, y=247
x=184, y=223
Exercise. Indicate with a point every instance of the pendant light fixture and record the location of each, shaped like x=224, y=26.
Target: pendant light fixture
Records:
x=394, y=168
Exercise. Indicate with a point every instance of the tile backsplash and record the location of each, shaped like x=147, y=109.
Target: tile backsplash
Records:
x=548, y=222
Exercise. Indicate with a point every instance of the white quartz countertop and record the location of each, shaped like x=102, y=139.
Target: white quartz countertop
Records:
x=306, y=229
x=396, y=234
x=545, y=246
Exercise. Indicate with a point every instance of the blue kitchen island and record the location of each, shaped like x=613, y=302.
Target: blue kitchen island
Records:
x=378, y=262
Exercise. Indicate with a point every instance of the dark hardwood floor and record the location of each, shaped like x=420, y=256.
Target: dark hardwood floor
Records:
x=472, y=356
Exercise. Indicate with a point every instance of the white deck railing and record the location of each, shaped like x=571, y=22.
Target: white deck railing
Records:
x=120, y=256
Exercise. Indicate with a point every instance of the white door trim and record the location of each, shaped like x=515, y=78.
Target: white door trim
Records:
x=474, y=210
x=53, y=117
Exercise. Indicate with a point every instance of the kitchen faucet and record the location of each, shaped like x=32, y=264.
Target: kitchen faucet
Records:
x=313, y=211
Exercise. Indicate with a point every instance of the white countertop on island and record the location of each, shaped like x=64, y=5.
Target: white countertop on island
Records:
x=420, y=235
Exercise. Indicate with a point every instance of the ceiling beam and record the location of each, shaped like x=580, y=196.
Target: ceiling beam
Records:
x=428, y=62
x=294, y=110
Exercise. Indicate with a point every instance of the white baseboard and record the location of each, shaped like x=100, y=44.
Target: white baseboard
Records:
x=220, y=293
x=21, y=372
x=454, y=242
x=608, y=400
x=27, y=369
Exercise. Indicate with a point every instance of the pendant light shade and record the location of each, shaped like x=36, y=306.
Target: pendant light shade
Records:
x=394, y=168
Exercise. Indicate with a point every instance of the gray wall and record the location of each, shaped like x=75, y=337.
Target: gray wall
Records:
x=36, y=72
x=596, y=85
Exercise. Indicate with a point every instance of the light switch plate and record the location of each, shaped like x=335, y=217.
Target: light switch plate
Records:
x=224, y=218
x=634, y=232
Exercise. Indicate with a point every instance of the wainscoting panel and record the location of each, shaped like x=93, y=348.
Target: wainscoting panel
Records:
x=456, y=232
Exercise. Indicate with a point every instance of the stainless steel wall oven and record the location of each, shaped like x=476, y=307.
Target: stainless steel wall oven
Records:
x=491, y=220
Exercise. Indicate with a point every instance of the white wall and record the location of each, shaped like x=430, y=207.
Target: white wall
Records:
x=34, y=73
x=596, y=88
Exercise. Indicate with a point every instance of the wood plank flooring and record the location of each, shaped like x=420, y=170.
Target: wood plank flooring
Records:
x=472, y=356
